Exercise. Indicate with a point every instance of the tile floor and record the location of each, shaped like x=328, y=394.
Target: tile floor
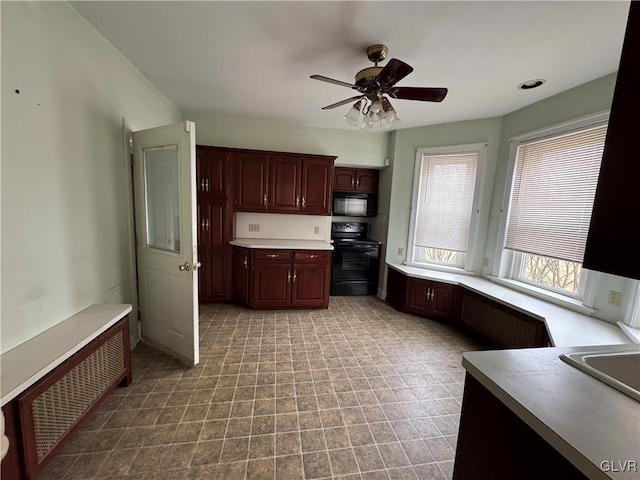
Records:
x=358, y=391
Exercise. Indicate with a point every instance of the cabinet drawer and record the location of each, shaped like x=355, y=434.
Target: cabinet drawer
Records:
x=312, y=256
x=272, y=254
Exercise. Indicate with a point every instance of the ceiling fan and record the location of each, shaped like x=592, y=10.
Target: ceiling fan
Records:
x=374, y=84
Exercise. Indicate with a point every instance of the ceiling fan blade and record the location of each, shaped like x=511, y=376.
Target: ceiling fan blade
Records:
x=343, y=102
x=393, y=72
x=322, y=78
x=417, y=93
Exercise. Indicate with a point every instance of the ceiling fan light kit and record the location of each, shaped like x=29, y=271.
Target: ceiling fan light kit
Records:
x=373, y=108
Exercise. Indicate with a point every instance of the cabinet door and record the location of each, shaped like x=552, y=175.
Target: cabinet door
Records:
x=366, y=181
x=316, y=186
x=442, y=300
x=214, y=229
x=241, y=275
x=418, y=296
x=251, y=182
x=612, y=243
x=311, y=283
x=284, y=184
x=214, y=277
x=271, y=284
x=211, y=221
x=344, y=179
x=211, y=167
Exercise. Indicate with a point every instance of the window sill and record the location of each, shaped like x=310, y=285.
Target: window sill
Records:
x=560, y=300
x=632, y=334
x=439, y=268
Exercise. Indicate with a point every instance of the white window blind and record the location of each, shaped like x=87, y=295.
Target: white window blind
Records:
x=553, y=191
x=445, y=201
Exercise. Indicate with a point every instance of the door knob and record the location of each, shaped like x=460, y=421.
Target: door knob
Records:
x=185, y=266
x=196, y=265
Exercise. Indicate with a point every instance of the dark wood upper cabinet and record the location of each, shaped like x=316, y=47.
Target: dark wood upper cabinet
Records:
x=212, y=170
x=361, y=180
x=251, y=182
x=344, y=179
x=315, y=186
x=284, y=184
x=613, y=239
x=367, y=181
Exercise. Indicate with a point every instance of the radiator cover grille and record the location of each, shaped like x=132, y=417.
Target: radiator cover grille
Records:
x=499, y=325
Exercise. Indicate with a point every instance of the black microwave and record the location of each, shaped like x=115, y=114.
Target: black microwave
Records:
x=346, y=204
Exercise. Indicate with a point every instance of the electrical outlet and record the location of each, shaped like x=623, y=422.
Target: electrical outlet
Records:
x=614, y=298
x=254, y=227
x=401, y=252
x=316, y=230
x=485, y=261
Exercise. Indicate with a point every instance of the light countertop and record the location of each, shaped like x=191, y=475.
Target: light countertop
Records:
x=584, y=419
x=282, y=244
x=27, y=363
x=566, y=327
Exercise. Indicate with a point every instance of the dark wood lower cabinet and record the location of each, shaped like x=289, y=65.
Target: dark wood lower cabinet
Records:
x=273, y=278
x=433, y=299
x=495, y=444
x=271, y=284
x=310, y=284
x=241, y=275
x=493, y=323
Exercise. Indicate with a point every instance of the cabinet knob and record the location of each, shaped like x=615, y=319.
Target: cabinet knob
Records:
x=273, y=255
x=304, y=202
x=264, y=200
x=295, y=275
x=289, y=277
x=297, y=200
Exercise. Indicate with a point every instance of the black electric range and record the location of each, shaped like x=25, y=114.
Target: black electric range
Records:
x=355, y=260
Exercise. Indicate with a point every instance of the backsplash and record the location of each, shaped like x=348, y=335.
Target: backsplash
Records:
x=282, y=226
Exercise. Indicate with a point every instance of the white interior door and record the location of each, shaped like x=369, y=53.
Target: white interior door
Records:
x=164, y=174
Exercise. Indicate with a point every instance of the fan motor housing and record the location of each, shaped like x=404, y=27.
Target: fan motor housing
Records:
x=367, y=76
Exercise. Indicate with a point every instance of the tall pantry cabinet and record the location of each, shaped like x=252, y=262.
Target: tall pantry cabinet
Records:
x=215, y=222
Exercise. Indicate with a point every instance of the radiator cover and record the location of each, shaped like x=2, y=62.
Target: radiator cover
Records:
x=501, y=325
x=54, y=407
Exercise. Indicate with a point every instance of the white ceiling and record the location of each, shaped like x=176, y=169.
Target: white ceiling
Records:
x=254, y=59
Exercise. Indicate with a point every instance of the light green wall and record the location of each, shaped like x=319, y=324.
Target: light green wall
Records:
x=586, y=99
x=65, y=243
x=407, y=141
x=351, y=147
x=590, y=98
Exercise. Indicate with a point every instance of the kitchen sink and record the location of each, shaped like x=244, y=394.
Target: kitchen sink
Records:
x=620, y=369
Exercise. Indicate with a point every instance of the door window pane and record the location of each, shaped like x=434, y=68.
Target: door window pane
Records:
x=162, y=193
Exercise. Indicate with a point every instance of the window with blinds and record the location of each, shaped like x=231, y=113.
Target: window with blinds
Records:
x=550, y=207
x=443, y=206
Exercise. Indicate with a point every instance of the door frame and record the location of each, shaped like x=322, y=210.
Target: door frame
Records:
x=134, y=317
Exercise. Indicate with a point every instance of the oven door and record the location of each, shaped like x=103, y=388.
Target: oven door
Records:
x=355, y=270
